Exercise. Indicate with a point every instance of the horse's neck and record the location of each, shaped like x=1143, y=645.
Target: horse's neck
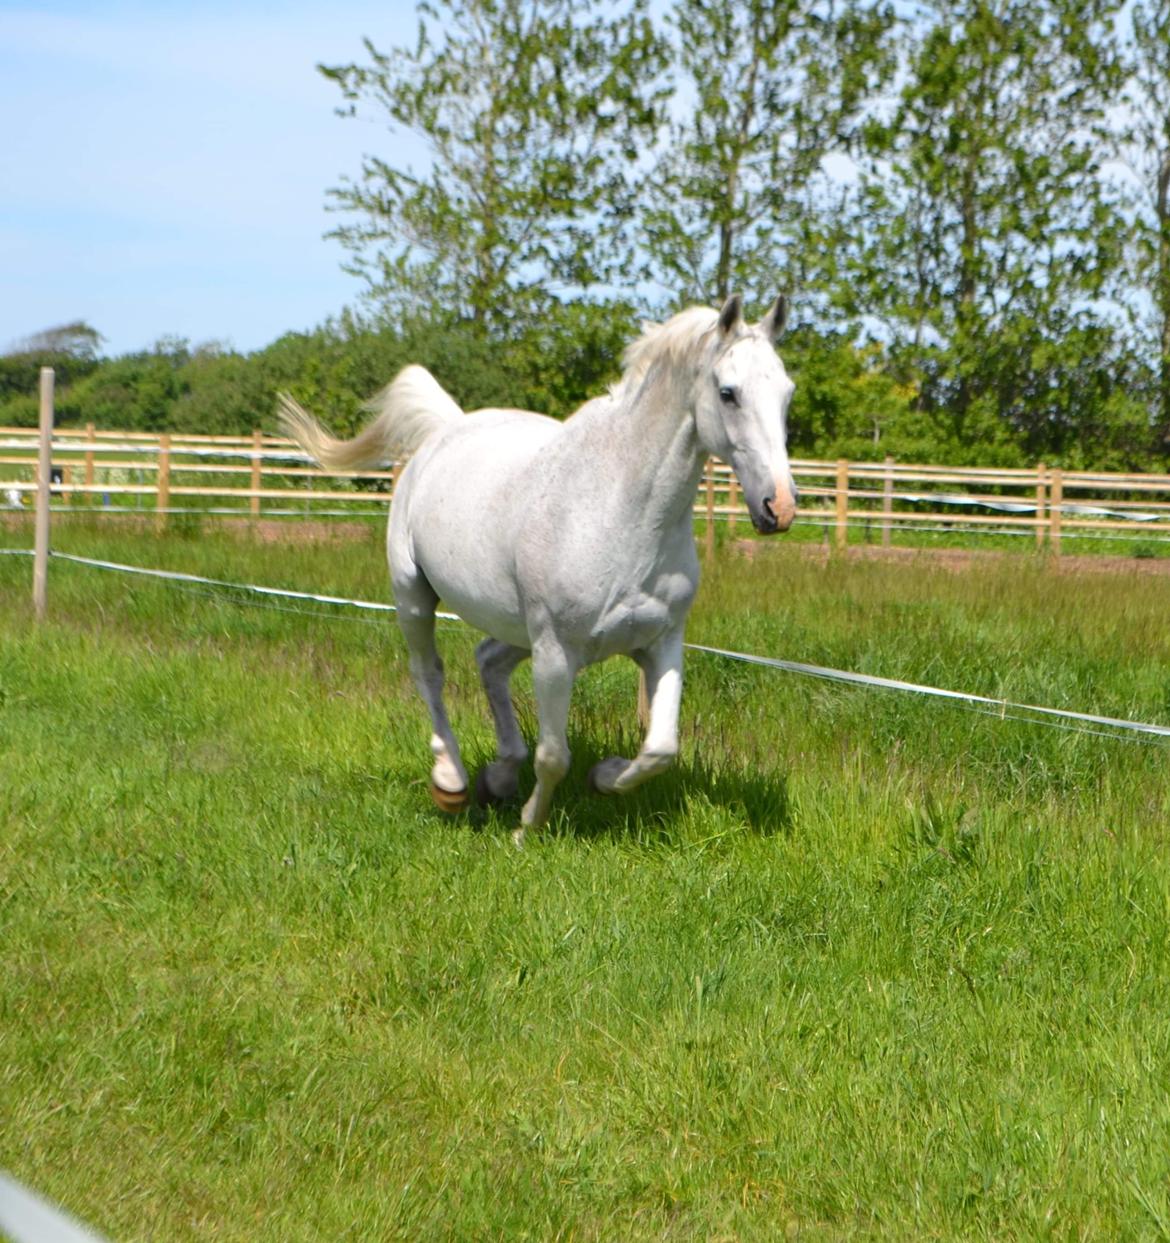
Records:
x=651, y=452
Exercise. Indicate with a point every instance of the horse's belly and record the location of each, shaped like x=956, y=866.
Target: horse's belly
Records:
x=631, y=627
x=489, y=605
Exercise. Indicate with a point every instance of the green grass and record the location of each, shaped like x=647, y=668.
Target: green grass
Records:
x=861, y=966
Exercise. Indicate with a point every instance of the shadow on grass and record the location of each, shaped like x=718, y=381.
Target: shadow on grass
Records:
x=694, y=798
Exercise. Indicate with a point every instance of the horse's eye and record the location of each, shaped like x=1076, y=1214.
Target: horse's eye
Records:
x=728, y=395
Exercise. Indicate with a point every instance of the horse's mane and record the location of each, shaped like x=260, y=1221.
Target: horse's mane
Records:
x=674, y=341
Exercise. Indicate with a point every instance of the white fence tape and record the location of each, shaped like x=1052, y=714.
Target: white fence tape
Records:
x=1004, y=708
x=175, y=450
x=176, y=576
x=26, y=1218
x=1000, y=707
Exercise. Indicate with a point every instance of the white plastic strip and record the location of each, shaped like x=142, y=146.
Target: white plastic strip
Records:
x=1000, y=706
x=26, y=1218
x=1072, y=508
x=176, y=450
x=176, y=576
x=997, y=707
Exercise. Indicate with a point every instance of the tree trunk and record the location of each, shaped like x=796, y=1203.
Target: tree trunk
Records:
x=723, y=271
x=1162, y=301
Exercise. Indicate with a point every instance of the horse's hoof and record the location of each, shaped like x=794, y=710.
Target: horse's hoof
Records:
x=450, y=801
x=604, y=773
x=485, y=796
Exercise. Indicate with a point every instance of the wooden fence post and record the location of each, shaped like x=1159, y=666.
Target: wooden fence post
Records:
x=44, y=485
x=842, y=499
x=710, y=509
x=1056, y=496
x=887, y=501
x=732, y=503
x=1041, y=501
x=89, y=464
x=164, y=478
x=257, y=443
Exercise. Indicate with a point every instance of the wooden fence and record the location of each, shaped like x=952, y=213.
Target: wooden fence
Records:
x=259, y=475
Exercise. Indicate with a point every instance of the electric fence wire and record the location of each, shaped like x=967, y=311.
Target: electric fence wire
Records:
x=1087, y=723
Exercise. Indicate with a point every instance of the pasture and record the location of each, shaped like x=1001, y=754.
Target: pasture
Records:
x=861, y=966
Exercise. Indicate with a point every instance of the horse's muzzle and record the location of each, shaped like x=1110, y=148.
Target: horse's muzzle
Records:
x=770, y=494
x=775, y=516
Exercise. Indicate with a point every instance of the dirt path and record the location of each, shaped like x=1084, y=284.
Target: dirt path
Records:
x=960, y=559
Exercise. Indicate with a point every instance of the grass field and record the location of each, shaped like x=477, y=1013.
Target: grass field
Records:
x=862, y=966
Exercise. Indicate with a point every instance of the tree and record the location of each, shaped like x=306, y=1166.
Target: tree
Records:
x=534, y=112
x=769, y=87
x=77, y=340
x=986, y=233
x=1147, y=150
x=71, y=350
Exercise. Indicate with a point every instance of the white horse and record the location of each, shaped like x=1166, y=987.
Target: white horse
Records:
x=570, y=542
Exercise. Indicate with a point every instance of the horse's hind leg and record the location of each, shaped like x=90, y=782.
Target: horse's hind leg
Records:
x=553, y=671
x=416, y=601
x=497, y=661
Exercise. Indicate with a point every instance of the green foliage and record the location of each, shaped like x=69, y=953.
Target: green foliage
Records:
x=984, y=231
x=566, y=355
x=1146, y=149
x=534, y=112
x=71, y=350
x=136, y=392
x=77, y=340
x=987, y=289
x=772, y=87
x=848, y=404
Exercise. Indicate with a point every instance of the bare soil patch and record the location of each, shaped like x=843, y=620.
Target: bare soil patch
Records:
x=958, y=560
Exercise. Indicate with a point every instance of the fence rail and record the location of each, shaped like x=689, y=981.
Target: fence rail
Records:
x=260, y=475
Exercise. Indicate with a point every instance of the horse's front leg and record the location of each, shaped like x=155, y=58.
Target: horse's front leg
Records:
x=662, y=665
x=553, y=671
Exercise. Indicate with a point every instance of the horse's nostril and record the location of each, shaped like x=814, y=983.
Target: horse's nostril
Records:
x=768, y=508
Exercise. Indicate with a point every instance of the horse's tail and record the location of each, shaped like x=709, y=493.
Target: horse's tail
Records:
x=409, y=409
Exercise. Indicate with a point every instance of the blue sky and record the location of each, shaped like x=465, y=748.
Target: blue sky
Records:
x=163, y=167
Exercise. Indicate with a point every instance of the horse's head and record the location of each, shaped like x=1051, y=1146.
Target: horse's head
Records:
x=741, y=410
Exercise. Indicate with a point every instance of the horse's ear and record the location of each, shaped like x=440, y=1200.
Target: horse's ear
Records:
x=731, y=315
x=773, y=323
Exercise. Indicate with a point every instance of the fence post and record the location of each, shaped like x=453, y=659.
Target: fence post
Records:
x=1056, y=496
x=257, y=440
x=44, y=484
x=887, y=501
x=164, y=478
x=842, y=501
x=643, y=701
x=89, y=435
x=1041, y=500
x=710, y=509
x=732, y=503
